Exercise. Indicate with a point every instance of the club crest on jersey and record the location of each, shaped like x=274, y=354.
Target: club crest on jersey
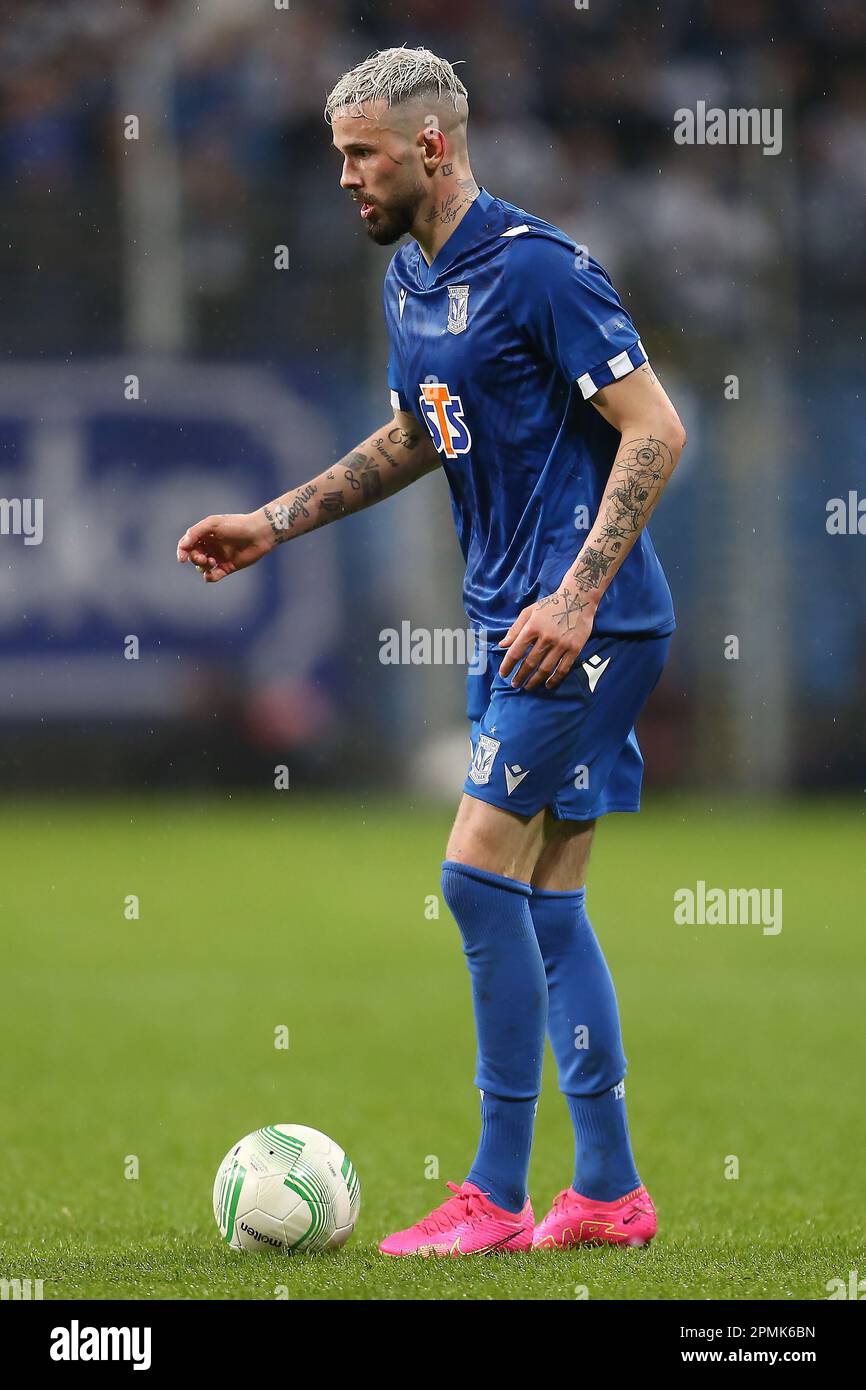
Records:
x=458, y=308
x=482, y=764
x=444, y=415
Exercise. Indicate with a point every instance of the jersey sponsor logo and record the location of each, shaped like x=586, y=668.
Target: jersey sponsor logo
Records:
x=595, y=669
x=482, y=764
x=514, y=776
x=402, y=298
x=444, y=415
x=458, y=308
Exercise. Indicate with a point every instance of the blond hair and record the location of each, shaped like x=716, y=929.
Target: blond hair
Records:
x=395, y=75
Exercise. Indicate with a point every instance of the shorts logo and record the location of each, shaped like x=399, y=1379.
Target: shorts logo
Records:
x=595, y=669
x=444, y=415
x=514, y=776
x=458, y=308
x=482, y=763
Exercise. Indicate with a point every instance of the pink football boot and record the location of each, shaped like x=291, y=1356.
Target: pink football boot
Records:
x=576, y=1220
x=467, y=1224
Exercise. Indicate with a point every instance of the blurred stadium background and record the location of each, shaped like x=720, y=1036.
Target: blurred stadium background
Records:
x=155, y=258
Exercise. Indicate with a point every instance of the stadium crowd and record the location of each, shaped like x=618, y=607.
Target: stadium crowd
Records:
x=572, y=116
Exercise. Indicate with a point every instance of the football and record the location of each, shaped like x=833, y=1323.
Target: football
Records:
x=286, y=1187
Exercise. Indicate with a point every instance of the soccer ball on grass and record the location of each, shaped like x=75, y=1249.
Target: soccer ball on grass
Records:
x=286, y=1187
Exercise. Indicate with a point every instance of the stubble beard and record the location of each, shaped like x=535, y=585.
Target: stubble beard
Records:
x=395, y=218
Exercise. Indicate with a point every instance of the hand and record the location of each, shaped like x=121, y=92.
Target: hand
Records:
x=547, y=638
x=220, y=545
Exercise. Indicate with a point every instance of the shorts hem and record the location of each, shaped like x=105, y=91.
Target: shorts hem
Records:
x=559, y=812
x=502, y=804
x=632, y=807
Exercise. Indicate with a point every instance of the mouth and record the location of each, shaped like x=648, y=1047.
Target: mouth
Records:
x=365, y=208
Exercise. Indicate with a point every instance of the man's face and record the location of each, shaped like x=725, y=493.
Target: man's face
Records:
x=381, y=173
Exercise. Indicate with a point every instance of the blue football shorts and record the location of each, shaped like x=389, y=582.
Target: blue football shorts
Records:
x=572, y=748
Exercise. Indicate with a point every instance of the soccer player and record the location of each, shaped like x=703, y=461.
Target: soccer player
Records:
x=513, y=366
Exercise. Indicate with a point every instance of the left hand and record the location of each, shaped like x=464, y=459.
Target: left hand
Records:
x=547, y=638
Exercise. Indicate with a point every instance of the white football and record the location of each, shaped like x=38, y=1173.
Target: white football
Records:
x=286, y=1187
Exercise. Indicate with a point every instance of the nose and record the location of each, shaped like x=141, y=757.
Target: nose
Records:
x=349, y=178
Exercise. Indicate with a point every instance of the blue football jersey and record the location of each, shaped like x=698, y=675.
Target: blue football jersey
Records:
x=498, y=347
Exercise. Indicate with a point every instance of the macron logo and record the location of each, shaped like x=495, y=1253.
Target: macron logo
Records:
x=402, y=303
x=595, y=669
x=514, y=776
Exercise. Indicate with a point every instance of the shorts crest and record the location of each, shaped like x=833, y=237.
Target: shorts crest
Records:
x=482, y=764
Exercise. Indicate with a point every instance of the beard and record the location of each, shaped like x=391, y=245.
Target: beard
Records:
x=392, y=220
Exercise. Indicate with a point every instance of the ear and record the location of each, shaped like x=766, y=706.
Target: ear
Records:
x=432, y=143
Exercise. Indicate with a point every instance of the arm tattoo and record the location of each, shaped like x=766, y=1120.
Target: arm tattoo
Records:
x=569, y=605
x=371, y=484
x=400, y=436
x=356, y=483
x=283, y=516
x=380, y=449
x=640, y=471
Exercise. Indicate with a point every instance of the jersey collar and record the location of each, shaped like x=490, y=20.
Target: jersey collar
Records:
x=463, y=235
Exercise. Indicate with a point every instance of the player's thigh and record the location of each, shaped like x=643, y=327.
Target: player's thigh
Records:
x=486, y=837
x=564, y=857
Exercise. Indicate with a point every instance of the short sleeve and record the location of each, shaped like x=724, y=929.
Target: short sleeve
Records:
x=571, y=312
x=395, y=385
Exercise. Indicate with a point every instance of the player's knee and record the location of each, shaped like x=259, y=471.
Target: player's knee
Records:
x=592, y=1072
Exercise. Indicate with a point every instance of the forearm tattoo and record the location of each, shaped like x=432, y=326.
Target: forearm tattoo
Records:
x=356, y=483
x=283, y=516
x=640, y=471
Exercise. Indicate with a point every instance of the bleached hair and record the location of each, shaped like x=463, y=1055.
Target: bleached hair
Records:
x=394, y=75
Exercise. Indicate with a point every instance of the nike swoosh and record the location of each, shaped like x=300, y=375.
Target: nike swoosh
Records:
x=627, y=1220
x=484, y=1249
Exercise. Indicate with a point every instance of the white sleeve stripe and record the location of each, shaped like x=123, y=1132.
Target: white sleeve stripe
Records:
x=395, y=401
x=614, y=369
x=620, y=365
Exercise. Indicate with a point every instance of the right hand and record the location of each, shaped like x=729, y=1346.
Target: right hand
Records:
x=220, y=545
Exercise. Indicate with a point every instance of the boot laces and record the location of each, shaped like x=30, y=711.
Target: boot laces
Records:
x=461, y=1207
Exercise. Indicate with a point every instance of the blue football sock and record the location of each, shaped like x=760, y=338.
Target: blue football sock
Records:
x=509, y=996
x=585, y=1036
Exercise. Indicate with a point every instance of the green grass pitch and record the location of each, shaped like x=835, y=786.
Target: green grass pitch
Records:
x=155, y=1038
